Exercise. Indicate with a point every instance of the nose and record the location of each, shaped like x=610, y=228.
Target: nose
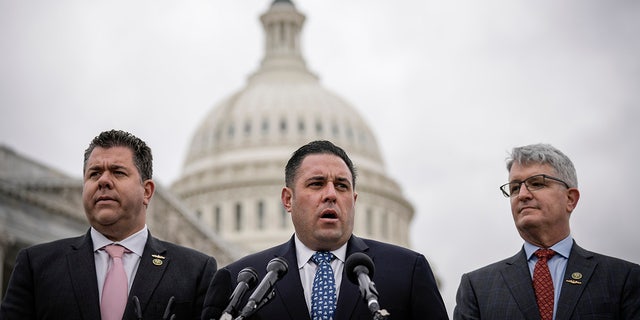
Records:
x=330, y=192
x=524, y=192
x=104, y=182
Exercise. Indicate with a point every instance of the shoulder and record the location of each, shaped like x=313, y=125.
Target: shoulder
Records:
x=50, y=254
x=610, y=263
x=379, y=247
x=179, y=252
x=55, y=247
x=259, y=260
x=494, y=268
x=259, y=257
x=389, y=256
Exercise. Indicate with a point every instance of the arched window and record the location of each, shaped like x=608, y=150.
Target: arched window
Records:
x=260, y=215
x=369, y=222
x=217, y=219
x=238, y=224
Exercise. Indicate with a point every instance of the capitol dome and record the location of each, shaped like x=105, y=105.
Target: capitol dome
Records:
x=234, y=169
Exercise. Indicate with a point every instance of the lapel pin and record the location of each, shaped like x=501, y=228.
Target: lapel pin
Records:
x=575, y=278
x=157, y=259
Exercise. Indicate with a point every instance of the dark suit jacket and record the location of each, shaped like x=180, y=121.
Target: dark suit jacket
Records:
x=605, y=288
x=57, y=280
x=406, y=285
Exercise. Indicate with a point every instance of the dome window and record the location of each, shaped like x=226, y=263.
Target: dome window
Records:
x=238, y=224
x=335, y=130
x=230, y=131
x=260, y=215
x=247, y=128
x=218, y=220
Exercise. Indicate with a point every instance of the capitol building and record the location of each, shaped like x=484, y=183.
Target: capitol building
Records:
x=234, y=170
x=226, y=201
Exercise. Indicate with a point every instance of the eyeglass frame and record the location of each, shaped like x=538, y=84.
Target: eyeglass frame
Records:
x=545, y=176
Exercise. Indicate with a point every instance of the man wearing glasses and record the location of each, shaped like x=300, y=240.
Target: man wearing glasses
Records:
x=551, y=277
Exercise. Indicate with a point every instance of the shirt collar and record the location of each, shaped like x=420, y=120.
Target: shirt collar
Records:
x=562, y=247
x=303, y=253
x=135, y=242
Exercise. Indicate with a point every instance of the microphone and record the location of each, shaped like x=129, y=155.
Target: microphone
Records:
x=167, y=311
x=276, y=269
x=359, y=268
x=137, y=308
x=247, y=279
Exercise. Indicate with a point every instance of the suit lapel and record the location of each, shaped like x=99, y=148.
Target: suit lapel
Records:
x=82, y=270
x=349, y=292
x=153, y=264
x=580, y=267
x=517, y=278
x=289, y=288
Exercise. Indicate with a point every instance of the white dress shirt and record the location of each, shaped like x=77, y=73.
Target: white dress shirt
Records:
x=134, y=243
x=307, y=268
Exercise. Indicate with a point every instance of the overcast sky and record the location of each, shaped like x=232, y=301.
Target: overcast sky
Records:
x=448, y=87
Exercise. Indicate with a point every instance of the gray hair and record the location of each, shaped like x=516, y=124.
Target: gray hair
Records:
x=545, y=154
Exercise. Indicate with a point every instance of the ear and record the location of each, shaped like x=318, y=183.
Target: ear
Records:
x=149, y=188
x=573, y=195
x=286, y=197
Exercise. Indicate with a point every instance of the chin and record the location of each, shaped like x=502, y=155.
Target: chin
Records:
x=106, y=218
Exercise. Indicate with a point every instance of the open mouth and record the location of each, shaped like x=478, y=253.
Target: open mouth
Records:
x=329, y=214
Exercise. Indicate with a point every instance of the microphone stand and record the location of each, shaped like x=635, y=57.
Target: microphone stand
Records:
x=137, y=308
x=258, y=306
x=226, y=316
x=381, y=314
x=167, y=311
x=371, y=291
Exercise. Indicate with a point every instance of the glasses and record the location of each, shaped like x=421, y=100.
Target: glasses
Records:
x=532, y=183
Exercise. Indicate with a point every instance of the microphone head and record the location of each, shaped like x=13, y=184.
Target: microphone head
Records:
x=249, y=276
x=356, y=263
x=279, y=265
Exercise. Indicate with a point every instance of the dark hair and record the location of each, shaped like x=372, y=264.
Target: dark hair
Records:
x=315, y=147
x=142, y=158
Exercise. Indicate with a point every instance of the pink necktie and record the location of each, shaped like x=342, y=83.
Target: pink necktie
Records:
x=116, y=286
x=542, y=284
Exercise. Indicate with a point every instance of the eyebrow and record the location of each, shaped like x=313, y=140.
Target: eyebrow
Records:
x=323, y=178
x=110, y=167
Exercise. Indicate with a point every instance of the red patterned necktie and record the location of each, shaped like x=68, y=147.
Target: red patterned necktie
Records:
x=542, y=284
x=116, y=286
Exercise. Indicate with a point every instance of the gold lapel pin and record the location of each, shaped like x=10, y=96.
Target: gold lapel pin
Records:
x=575, y=278
x=157, y=259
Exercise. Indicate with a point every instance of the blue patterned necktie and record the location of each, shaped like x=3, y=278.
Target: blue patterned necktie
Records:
x=323, y=294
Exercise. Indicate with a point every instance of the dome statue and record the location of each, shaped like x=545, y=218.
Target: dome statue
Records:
x=234, y=169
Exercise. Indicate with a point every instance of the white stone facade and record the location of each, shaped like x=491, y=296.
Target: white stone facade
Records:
x=234, y=170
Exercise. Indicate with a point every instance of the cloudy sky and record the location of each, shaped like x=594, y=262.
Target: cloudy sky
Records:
x=449, y=87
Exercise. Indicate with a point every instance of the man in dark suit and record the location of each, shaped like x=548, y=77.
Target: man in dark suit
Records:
x=580, y=284
x=320, y=195
x=64, y=279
